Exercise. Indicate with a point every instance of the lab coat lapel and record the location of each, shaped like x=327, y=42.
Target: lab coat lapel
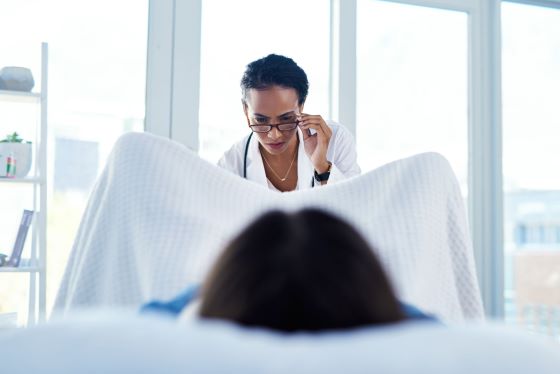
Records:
x=255, y=166
x=305, y=168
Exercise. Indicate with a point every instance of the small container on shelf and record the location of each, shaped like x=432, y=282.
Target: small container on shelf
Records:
x=15, y=157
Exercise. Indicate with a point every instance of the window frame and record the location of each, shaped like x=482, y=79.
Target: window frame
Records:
x=173, y=76
x=484, y=128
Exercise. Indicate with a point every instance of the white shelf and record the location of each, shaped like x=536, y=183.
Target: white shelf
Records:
x=23, y=269
x=20, y=97
x=30, y=180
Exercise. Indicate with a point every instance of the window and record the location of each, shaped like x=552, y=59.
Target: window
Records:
x=411, y=84
x=97, y=69
x=234, y=33
x=531, y=129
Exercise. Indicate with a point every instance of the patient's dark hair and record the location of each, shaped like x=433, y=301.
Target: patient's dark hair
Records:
x=275, y=70
x=306, y=271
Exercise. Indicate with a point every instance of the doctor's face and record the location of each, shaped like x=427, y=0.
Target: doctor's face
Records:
x=273, y=106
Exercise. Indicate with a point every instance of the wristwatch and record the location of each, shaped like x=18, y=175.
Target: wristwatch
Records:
x=323, y=177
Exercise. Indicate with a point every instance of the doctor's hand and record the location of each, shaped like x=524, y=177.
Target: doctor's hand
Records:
x=316, y=145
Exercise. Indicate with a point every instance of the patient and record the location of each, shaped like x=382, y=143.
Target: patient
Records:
x=303, y=271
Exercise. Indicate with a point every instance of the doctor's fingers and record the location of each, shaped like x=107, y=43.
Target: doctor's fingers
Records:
x=302, y=118
x=322, y=136
x=320, y=127
x=306, y=119
x=306, y=133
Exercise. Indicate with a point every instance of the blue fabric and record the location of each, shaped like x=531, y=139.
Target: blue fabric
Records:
x=175, y=306
x=412, y=312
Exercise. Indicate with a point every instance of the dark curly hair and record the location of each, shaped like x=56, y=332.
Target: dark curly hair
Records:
x=275, y=70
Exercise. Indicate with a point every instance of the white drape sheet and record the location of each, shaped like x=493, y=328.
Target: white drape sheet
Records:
x=159, y=215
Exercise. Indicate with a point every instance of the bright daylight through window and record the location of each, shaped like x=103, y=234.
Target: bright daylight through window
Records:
x=229, y=45
x=412, y=96
x=97, y=70
x=412, y=84
x=531, y=129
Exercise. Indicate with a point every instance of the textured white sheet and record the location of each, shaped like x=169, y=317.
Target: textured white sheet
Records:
x=159, y=215
x=110, y=343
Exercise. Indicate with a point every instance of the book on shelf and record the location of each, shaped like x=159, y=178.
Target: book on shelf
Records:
x=15, y=257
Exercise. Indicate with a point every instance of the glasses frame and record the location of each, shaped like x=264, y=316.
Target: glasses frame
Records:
x=277, y=125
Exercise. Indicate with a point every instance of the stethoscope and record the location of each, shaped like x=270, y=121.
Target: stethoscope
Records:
x=245, y=160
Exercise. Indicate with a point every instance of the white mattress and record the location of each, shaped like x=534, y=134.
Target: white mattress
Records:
x=115, y=343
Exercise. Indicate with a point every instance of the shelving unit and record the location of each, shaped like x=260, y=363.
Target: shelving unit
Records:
x=35, y=265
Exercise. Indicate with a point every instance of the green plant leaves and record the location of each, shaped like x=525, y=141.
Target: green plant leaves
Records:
x=12, y=138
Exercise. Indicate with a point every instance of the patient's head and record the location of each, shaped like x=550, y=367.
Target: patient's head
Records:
x=306, y=271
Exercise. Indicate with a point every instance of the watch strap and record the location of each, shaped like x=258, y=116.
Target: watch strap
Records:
x=323, y=177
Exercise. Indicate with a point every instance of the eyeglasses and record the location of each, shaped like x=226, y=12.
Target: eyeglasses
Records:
x=280, y=126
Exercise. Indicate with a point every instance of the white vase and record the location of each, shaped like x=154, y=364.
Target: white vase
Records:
x=23, y=155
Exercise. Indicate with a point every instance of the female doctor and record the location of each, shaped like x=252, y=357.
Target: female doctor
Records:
x=287, y=149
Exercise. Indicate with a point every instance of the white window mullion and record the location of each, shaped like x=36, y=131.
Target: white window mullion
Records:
x=186, y=73
x=485, y=152
x=173, y=70
x=343, y=63
x=159, y=67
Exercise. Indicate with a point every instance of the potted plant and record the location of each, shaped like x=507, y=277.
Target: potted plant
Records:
x=13, y=146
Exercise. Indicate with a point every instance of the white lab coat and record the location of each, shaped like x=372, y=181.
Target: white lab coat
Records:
x=341, y=153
